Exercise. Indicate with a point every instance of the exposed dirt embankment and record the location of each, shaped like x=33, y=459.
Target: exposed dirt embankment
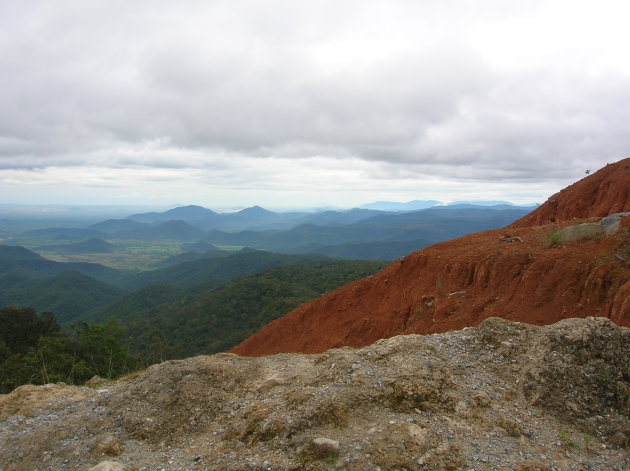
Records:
x=515, y=274
x=605, y=192
x=525, y=272
x=503, y=396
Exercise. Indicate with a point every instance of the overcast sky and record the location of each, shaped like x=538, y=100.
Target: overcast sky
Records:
x=291, y=103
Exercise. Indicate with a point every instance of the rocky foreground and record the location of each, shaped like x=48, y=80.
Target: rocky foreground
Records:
x=500, y=396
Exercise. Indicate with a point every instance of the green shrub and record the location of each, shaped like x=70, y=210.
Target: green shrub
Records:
x=553, y=238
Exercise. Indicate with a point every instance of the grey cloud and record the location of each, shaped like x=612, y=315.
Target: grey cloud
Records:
x=101, y=83
x=259, y=111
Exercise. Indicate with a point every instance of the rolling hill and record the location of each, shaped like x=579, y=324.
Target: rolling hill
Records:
x=389, y=250
x=71, y=289
x=170, y=230
x=217, y=314
x=118, y=225
x=33, y=265
x=67, y=295
x=191, y=213
x=198, y=271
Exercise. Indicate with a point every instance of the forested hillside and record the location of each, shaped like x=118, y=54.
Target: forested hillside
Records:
x=65, y=289
x=159, y=322
x=203, y=306
x=207, y=318
x=387, y=250
x=68, y=294
x=198, y=271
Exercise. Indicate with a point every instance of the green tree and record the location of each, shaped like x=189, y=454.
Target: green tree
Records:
x=53, y=359
x=59, y=361
x=4, y=351
x=18, y=369
x=19, y=328
x=33, y=350
x=101, y=347
x=150, y=343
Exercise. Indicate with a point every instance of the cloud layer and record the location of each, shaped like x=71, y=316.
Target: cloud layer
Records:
x=225, y=98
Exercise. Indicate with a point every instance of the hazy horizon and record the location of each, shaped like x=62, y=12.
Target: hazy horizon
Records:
x=67, y=210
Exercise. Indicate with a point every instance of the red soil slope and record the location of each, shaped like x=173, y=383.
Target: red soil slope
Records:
x=514, y=273
x=605, y=192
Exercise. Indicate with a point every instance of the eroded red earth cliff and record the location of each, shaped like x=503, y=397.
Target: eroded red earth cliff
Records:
x=516, y=273
x=600, y=194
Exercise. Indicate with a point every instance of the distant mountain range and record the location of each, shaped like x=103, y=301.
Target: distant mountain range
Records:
x=206, y=219
x=257, y=218
x=425, y=204
x=423, y=227
x=408, y=206
x=359, y=233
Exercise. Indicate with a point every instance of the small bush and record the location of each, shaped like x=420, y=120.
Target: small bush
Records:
x=567, y=441
x=553, y=238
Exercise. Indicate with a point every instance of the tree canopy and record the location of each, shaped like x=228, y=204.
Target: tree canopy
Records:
x=33, y=349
